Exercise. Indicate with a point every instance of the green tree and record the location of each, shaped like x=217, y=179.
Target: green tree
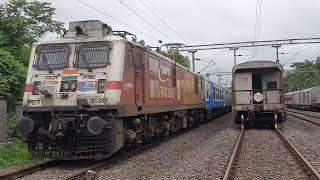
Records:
x=12, y=75
x=176, y=56
x=303, y=75
x=23, y=22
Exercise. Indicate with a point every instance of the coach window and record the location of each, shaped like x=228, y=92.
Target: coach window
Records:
x=174, y=76
x=196, y=89
x=272, y=85
x=130, y=59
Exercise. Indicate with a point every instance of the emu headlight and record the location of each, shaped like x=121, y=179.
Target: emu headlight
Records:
x=95, y=125
x=25, y=126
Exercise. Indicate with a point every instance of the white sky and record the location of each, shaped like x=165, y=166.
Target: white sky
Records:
x=209, y=21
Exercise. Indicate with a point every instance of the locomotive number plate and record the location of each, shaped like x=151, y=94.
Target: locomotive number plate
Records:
x=99, y=100
x=34, y=102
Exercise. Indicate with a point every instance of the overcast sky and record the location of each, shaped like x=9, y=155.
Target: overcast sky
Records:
x=208, y=21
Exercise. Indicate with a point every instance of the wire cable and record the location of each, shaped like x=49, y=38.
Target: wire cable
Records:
x=116, y=19
x=124, y=4
x=161, y=19
x=207, y=66
x=291, y=58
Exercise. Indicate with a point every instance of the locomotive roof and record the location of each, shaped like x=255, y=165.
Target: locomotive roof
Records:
x=257, y=65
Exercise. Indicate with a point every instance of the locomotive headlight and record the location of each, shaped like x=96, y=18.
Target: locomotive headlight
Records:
x=73, y=85
x=101, y=85
x=65, y=86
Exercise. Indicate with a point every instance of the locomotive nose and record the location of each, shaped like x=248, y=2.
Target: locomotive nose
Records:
x=25, y=126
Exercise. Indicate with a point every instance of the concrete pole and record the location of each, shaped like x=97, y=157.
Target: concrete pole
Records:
x=193, y=59
x=219, y=78
x=234, y=54
x=277, y=51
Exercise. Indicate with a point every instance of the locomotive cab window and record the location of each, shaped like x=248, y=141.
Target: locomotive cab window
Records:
x=92, y=55
x=52, y=57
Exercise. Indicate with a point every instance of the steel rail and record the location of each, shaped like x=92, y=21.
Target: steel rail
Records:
x=233, y=156
x=29, y=170
x=298, y=115
x=289, y=145
x=293, y=149
x=83, y=173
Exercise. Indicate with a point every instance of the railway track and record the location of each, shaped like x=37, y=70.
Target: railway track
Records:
x=305, y=115
x=29, y=170
x=272, y=143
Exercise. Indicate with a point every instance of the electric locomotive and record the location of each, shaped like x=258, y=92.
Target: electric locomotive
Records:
x=93, y=91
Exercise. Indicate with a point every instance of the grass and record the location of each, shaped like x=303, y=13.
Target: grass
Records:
x=14, y=153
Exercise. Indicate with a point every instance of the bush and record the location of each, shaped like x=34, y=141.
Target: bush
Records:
x=14, y=153
x=12, y=128
x=12, y=78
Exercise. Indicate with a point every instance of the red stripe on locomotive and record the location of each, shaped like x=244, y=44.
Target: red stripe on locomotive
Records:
x=114, y=85
x=28, y=87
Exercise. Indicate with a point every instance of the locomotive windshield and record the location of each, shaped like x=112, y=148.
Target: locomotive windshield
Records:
x=92, y=55
x=52, y=58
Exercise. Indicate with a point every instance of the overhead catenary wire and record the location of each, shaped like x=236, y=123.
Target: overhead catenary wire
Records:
x=146, y=21
x=292, y=57
x=207, y=66
x=116, y=19
x=162, y=20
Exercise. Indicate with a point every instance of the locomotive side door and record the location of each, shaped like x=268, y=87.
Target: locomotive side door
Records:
x=138, y=60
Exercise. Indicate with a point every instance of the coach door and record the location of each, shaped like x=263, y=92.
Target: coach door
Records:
x=138, y=60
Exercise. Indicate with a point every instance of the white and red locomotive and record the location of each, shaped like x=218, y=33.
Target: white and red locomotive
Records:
x=91, y=92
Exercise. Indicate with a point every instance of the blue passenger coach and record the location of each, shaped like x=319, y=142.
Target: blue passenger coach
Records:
x=217, y=98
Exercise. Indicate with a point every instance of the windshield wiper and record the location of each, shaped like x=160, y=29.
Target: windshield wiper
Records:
x=87, y=63
x=46, y=62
